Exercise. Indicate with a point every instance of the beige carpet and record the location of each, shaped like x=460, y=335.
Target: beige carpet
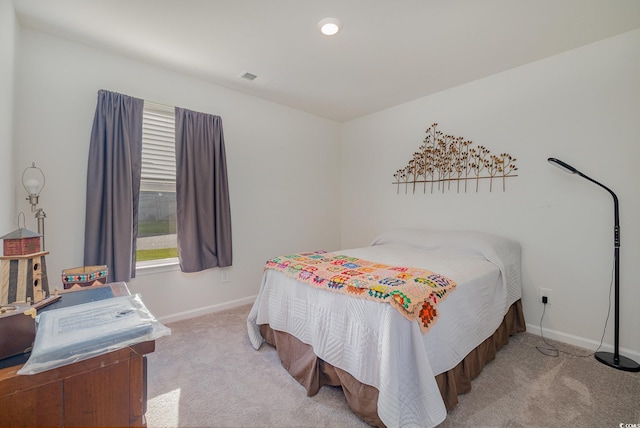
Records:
x=207, y=374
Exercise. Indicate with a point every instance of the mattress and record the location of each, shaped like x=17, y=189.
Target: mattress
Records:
x=377, y=345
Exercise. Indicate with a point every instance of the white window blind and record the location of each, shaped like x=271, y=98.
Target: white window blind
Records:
x=158, y=148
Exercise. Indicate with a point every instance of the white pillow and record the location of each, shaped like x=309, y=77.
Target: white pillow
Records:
x=503, y=252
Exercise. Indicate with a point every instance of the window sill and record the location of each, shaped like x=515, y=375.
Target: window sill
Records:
x=149, y=267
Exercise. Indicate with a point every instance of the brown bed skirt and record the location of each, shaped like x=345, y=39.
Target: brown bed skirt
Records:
x=312, y=372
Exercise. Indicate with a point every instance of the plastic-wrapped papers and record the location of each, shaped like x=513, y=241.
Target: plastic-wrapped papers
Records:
x=80, y=332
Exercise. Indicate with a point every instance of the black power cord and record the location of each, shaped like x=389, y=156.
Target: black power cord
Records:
x=554, y=351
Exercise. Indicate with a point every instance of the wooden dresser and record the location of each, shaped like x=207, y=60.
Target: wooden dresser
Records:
x=107, y=390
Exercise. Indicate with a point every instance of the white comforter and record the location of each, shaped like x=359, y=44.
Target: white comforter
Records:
x=375, y=343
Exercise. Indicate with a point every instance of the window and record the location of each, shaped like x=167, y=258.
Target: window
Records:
x=201, y=191
x=157, y=239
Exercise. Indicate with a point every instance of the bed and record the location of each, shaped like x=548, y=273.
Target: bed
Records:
x=392, y=373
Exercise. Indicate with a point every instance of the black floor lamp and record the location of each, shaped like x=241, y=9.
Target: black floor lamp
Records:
x=614, y=359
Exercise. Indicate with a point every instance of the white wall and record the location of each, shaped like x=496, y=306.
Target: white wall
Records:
x=8, y=38
x=277, y=157
x=582, y=107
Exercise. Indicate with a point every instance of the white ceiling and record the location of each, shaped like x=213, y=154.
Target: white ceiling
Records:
x=388, y=52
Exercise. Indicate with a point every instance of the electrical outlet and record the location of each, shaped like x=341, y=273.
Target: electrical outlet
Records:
x=545, y=292
x=224, y=275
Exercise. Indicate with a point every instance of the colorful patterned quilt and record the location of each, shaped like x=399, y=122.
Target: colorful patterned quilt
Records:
x=412, y=291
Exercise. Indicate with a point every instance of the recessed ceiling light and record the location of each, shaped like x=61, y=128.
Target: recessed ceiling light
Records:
x=329, y=26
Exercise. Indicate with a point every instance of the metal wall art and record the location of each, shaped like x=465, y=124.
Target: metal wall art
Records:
x=445, y=159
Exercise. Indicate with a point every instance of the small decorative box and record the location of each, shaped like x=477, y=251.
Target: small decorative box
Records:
x=84, y=276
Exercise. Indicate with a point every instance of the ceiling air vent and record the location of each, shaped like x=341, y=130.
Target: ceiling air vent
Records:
x=248, y=76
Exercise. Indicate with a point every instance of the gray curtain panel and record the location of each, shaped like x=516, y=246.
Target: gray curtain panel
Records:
x=202, y=192
x=113, y=185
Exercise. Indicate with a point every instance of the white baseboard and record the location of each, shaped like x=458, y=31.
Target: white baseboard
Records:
x=206, y=310
x=580, y=341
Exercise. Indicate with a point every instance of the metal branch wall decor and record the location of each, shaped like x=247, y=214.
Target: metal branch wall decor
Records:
x=445, y=159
